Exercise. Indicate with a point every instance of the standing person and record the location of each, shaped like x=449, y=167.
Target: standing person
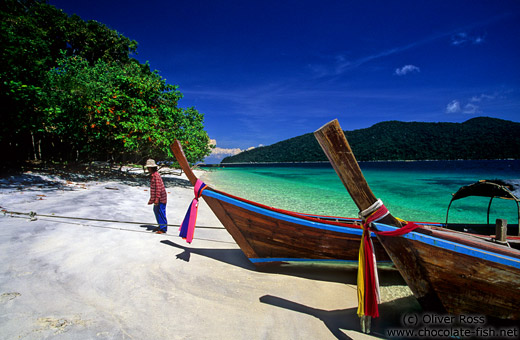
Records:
x=157, y=196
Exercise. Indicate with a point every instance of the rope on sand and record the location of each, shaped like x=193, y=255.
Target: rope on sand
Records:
x=33, y=217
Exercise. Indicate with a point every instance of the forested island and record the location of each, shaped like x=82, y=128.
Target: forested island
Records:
x=73, y=91
x=477, y=138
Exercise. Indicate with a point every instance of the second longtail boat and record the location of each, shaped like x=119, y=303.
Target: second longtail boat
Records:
x=448, y=271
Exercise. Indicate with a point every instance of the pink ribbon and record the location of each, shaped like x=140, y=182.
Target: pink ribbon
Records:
x=187, y=228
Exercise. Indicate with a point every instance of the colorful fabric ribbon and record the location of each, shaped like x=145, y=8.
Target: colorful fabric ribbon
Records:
x=187, y=228
x=368, y=282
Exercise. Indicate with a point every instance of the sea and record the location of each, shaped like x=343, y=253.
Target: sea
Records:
x=411, y=190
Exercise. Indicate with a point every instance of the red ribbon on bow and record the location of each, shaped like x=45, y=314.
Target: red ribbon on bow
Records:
x=368, y=281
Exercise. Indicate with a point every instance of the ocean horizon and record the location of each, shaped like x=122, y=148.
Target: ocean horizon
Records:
x=411, y=190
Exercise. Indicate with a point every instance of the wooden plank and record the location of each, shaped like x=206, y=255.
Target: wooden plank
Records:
x=178, y=152
x=335, y=145
x=227, y=221
x=263, y=232
x=460, y=283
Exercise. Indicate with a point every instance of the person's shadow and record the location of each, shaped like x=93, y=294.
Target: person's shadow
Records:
x=149, y=227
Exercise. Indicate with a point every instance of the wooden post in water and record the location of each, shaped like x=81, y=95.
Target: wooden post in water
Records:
x=501, y=231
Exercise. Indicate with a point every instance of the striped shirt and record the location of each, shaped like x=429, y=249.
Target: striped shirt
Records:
x=157, y=189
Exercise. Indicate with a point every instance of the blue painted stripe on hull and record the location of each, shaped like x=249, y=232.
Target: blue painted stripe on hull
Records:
x=280, y=259
x=283, y=217
x=457, y=247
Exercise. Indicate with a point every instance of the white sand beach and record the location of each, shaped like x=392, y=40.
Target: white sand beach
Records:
x=76, y=279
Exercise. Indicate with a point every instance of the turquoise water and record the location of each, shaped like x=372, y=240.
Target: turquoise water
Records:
x=418, y=191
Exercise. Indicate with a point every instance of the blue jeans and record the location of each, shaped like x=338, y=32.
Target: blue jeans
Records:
x=160, y=215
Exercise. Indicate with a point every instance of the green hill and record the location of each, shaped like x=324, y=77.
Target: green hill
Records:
x=477, y=138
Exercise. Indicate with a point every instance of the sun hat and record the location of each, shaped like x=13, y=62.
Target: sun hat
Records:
x=150, y=164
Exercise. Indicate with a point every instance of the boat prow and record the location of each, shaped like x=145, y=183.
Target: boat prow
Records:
x=270, y=236
x=448, y=271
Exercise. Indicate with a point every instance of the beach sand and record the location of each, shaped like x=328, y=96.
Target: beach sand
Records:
x=75, y=279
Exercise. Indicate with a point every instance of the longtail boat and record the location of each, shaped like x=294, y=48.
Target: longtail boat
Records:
x=270, y=236
x=494, y=188
x=448, y=271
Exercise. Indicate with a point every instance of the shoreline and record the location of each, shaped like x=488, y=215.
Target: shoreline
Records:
x=79, y=279
x=327, y=163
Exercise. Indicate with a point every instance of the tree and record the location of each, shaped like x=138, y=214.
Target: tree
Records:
x=118, y=112
x=71, y=91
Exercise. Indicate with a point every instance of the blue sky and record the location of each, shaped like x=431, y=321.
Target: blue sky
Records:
x=265, y=71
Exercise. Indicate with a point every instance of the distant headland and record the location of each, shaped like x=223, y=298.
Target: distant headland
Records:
x=477, y=138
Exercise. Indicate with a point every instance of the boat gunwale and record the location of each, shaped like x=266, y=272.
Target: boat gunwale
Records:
x=459, y=247
x=285, y=215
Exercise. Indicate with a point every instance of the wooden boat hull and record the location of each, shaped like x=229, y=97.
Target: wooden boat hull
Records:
x=448, y=271
x=271, y=236
x=453, y=274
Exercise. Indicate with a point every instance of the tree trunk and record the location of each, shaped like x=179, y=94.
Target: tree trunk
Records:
x=33, y=146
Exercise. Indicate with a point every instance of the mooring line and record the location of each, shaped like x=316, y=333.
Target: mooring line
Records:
x=15, y=214
x=33, y=215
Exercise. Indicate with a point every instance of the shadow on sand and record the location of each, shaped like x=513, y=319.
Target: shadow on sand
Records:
x=390, y=313
x=34, y=182
x=51, y=178
x=327, y=273
x=335, y=320
x=393, y=316
x=234, y=257
x=149, y=227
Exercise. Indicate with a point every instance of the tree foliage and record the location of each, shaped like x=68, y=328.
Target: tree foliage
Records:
x=71, y=91
x=477, y=138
